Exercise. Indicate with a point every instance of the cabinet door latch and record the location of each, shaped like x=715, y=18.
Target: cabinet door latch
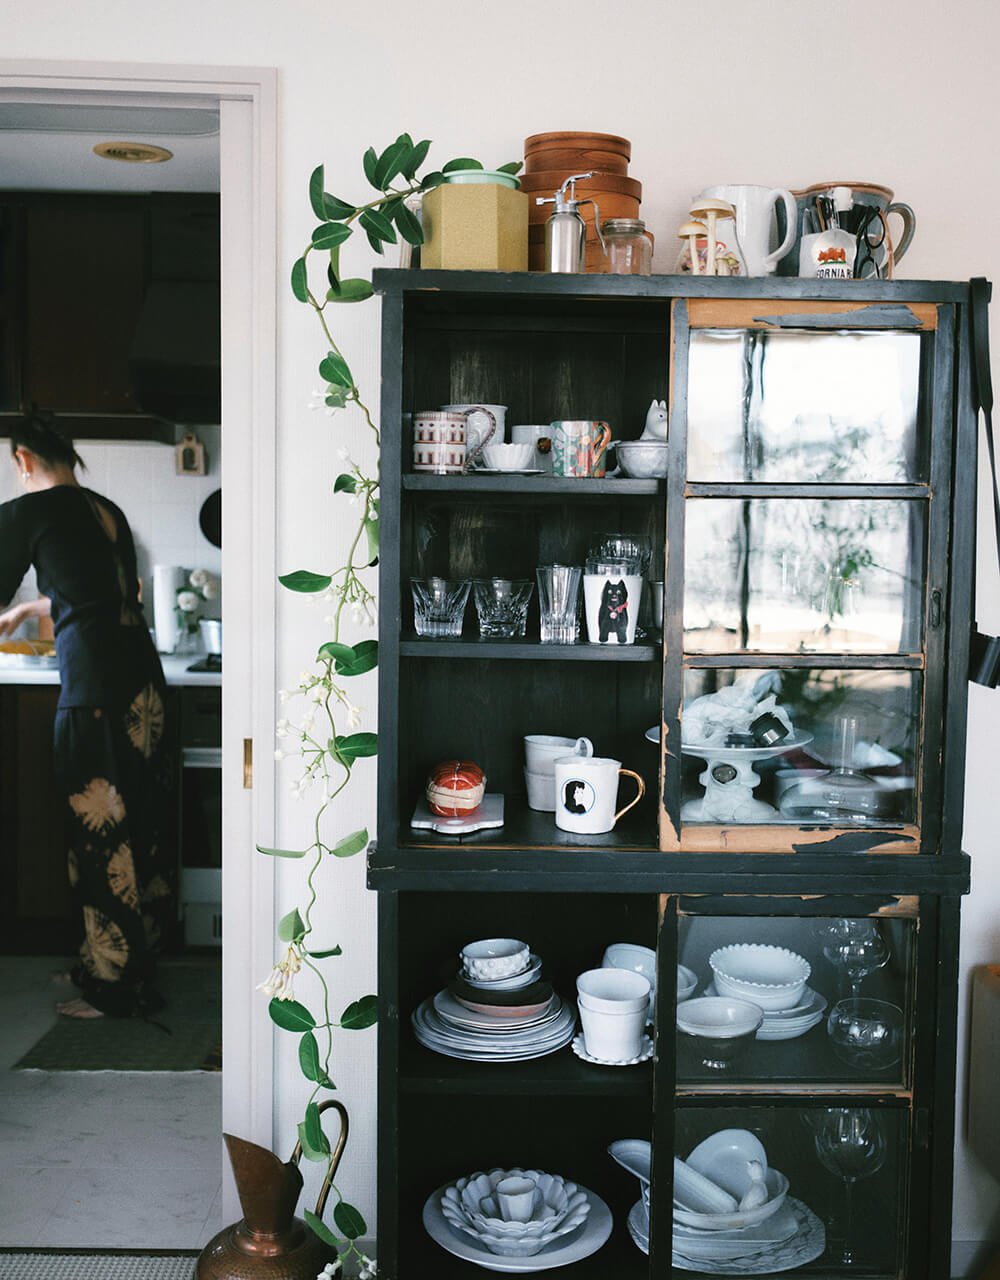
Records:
x=934, y=612
x=248, y=764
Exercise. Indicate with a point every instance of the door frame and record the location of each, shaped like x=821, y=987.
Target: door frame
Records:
x=246, y=100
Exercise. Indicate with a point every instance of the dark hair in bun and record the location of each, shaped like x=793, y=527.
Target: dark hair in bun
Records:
x=37, y=433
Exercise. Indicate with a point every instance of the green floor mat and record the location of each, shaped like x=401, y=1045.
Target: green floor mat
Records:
x=183, y=1036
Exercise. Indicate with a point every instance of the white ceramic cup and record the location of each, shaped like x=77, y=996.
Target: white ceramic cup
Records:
x=587, y=791
x=439, y=442
x=539, y=436
x=611, y=605
x=516, y=1198
x=629, y=955
x=613, y=990
x=541, y=750
x=754, y=225
x=612, y=1037
x=541, y=788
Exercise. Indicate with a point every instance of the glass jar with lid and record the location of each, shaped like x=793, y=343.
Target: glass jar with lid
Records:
x=630, y=247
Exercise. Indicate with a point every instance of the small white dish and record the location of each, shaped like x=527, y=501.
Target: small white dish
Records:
x=508, y=457
x=579, y=1047
x=489, y=813
x=719, y=1017
x=643, y=459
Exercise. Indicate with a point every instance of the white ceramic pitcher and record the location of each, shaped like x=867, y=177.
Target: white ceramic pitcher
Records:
x=755, y=224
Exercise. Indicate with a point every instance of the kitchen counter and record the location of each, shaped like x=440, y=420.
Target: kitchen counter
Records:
x=175, y=668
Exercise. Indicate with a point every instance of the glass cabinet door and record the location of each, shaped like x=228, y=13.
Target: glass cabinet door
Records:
x=805, y=576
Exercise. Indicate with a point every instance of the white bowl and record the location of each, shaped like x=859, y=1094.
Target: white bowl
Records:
x=492, y=958
x=777, y=1188
x=613, y=990
x=470, y=1206
x=772, y=977
x=629, y=955
x=643, y=459
x=508, y=457
x=719, y=1017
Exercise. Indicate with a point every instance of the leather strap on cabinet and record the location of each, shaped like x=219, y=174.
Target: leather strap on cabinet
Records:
x=984, y=651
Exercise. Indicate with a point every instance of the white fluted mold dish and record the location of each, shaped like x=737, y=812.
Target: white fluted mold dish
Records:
x=592, y=1233
x=474, y=1197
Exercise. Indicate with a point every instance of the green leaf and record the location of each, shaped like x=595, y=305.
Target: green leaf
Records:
x=334, y=369
x=514, y=166
x=345, y=484
x=337, y=397
x=358, y=744
x=371, y=531
x=309, y=1057
x=415, y=159
x=329, y=234
x=390, y=161
x=291, y=927
x=361, y=1014
x=377, y=224
x=365, y=657
x=409, y=224
x=335, y=650
x=431, y=180
x=351, y=844
x=282, y=853
x=289, y=1015
x=300, y=281
x=303, y=580
x=369, y=161
x=353, y=290
x=349, y=1220
x=325, y=955
x=463, y=162
x=336, y=209
x=315, y=1144
x=321, y=1229
x=316, y=191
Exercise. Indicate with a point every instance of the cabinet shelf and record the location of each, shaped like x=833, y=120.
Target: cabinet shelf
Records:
x=560, y=1074
x=414, y=646
x=528, y=487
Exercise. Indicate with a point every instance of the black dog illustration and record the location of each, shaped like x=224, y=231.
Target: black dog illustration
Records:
x=613, y=613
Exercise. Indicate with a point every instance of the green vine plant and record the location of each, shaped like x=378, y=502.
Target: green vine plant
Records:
x=328, y=738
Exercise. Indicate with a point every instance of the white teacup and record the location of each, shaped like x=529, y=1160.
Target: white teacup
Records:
x=587, y=791
x=539, y=436
x=541, y=750
x=508, y=457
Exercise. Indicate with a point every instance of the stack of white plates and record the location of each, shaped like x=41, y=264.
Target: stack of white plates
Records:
x=445, y=1025
x=787, y=1024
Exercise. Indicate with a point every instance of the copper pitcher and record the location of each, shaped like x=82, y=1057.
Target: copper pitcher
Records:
x=269, y=1242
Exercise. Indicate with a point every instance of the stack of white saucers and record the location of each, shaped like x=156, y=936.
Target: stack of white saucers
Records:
x=787, y=1024
x=447, y=1026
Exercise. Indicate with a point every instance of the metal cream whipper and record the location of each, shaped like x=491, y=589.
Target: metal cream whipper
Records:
x=566, y=231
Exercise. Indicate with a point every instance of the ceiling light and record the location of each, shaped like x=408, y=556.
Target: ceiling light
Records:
x=132, y=152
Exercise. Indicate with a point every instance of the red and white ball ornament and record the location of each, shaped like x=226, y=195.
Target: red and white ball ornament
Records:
x=455, y=788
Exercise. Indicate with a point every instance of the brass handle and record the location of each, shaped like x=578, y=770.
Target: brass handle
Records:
x=338, y=1151
x=248, y=764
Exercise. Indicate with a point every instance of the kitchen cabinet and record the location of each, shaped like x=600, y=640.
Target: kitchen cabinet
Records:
x=812, y=544
x=97, y=295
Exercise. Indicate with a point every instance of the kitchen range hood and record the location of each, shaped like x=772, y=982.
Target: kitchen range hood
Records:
x=174, y=364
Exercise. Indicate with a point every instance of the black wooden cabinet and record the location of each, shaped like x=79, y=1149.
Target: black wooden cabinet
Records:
x=811, y=538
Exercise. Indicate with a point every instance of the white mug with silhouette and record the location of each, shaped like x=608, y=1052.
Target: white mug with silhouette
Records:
x=587, y=792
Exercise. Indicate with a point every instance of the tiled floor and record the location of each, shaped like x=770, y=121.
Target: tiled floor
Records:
x=114, y=1160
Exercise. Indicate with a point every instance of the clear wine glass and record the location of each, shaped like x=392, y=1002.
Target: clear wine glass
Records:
x=856, y=948
x=850, y=1143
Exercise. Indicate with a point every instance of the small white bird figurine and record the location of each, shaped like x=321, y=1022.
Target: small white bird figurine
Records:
x=656, y=421
x=756, y=1194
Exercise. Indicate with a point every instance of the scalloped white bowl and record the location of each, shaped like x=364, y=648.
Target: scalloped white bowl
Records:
x=469, y=1205
x=772, y=977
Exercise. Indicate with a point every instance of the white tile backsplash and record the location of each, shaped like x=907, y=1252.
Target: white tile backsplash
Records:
x=161, y=507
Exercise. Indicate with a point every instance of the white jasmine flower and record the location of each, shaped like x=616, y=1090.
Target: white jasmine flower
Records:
x=317, y=400
x=330, y=1269
x=279, y=755
x=282, y=728
x=354, y=716
x=188, y=601
x=368, y=1268
x=308, y=722
x=199, y=577
x=283, y=696
x=343, y=455
x=278, y=983
x=319, y=694
x=357, y=614
x=306, y=679
x=211, y=590
x=271, y=983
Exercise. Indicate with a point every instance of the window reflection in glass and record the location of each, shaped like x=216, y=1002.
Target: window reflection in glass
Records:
x=843, y=751
x=798, y=406
x=803, y=575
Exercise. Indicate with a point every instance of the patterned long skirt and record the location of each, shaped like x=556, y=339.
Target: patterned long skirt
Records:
x=115, y=769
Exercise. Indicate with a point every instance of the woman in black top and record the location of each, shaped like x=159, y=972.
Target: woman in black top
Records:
x=110, y=752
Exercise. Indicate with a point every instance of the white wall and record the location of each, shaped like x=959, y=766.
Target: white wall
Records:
x=769, y=91
x=161, y=507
